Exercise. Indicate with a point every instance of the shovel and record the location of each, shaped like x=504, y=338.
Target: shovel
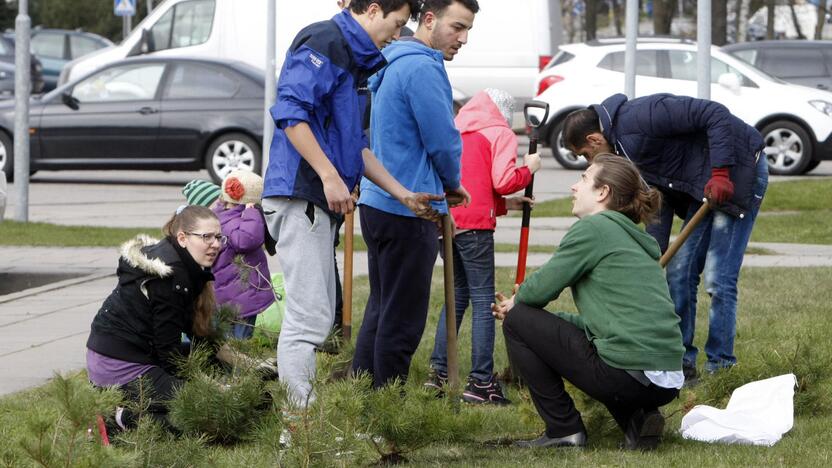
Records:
x=450, y=304
x=683, y=236
x=346, y=314
x=536, y=113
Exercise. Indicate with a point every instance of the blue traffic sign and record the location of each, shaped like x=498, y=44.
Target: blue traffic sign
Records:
x=124, y=7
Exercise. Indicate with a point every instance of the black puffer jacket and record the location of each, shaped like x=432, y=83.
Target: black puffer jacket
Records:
x=143, y=318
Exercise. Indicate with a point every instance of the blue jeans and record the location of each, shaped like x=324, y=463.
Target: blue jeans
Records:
x=474, y=282
x=243, y=328
x=716, y=247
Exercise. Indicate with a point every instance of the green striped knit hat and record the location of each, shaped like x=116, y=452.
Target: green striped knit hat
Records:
x=201, y=192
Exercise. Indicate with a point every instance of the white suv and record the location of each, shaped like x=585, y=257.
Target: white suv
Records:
x=796, y=121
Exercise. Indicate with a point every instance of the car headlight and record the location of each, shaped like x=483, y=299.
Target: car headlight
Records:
x=822, y=106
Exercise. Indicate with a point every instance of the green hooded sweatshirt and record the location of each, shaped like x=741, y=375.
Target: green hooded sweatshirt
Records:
x=620, y=291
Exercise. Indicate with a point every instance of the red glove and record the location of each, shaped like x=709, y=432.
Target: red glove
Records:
x=720, y=188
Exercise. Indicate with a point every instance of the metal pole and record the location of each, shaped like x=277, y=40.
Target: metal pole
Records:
x=129, y=25
x=556, y=25
x=149, y=7
x=703, y=49
x=271, y=82
x=630, y=51
x=124, y=28
x=22, y=89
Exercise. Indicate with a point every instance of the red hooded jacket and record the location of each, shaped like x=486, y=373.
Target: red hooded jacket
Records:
x=489, y=163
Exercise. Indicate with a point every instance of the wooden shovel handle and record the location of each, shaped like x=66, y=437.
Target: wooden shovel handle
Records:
x=683, y=236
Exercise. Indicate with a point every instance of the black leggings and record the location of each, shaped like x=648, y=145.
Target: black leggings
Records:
x=545, y=349
x=155, y=388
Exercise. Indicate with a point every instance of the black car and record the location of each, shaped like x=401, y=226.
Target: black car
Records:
x=807, y=63
x=7, y=56
x=147, y=113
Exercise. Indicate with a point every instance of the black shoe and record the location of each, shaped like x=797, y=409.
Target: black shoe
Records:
x=577, y=439
x=644, y=430
x=691, y=376
x=437, y=380
x=486, y=392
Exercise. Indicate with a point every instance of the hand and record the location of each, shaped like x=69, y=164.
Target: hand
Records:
x=719, y=189
x=516, y=203
x=458, y=196
x=502, y=307
x=419, y=204
x=250, y=205
x=338, y=197
x=532, y=161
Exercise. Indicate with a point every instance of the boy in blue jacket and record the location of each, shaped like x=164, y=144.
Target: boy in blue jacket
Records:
x=414, y=137
x=317, y=156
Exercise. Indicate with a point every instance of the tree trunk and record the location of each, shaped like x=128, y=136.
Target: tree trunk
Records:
x=591, y=19
x=742, y=20
x=616, y=16
x=795, y=21
x=719, y=22
x=663, y=16
x=770, y=20
x=821, y=19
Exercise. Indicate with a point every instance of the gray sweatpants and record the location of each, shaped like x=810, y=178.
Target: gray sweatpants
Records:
x=304, y=250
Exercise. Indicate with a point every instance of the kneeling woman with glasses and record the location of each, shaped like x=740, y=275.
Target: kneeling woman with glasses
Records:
x=164, y=289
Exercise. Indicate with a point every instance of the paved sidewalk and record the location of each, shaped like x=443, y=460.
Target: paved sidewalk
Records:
x=44, y=330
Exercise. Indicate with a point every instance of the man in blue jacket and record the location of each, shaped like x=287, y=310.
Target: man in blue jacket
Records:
x=317, y=157
x=414, y=137
x=690, y=149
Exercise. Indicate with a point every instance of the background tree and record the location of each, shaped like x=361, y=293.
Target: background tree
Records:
x=821, y=19
x=797, y=28
x=770, y=20
x=663, y=11
x=591, y=15
x=719, y=22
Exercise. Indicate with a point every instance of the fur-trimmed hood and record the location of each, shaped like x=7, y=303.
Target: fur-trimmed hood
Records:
x=146, y=253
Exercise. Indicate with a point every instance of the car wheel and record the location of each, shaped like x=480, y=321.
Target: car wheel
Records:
x=811, y=166
x=563, y=156
x=788, y=148
x=6, y=156
x=230, y=152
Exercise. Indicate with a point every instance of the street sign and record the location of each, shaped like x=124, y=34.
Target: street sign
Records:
x=124, y=7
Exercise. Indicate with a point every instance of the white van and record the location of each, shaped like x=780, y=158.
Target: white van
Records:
x=506, y=49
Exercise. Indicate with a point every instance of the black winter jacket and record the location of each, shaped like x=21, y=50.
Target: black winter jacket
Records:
x=144, y=317
x=676, y=140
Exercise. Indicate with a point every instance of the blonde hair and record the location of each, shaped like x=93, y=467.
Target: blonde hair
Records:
x=629, y=194
x=183, y=221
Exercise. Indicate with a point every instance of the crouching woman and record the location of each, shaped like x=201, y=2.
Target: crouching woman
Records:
x=164, y=289
x=624, y=347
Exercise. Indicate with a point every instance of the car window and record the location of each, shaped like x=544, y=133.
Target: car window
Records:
x=192, y=81
x=186, y=24
x=646, y=62
x=48, y=45
x=683, y=67
x=793, y=63
x=747, y=55
x=126, y=83
x=80, y=45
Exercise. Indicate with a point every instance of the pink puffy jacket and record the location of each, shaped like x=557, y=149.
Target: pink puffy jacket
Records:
x=489, y=158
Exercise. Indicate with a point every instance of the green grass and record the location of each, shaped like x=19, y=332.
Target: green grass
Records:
x=56, y=235
x=780, y=329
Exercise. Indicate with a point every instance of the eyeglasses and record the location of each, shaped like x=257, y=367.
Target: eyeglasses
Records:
x=210, y=238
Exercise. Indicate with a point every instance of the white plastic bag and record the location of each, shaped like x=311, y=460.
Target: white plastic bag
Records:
x=759, y=413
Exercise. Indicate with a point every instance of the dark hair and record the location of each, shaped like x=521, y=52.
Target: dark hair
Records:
x=438, y=7
x=578, y=125
x=184, y=221
x=629, y=194
x=387, y=6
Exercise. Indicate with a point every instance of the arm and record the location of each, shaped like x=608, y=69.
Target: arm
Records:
x=576, y=256
x=506, y=177
x=419, y=203
x=434, y=116
x=246, y=233
x=679, y=115
x=168, y=321
x=306, y=79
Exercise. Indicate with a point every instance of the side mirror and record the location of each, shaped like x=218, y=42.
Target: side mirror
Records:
x=730, y=81
x=70, y=101
x=143, y=46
